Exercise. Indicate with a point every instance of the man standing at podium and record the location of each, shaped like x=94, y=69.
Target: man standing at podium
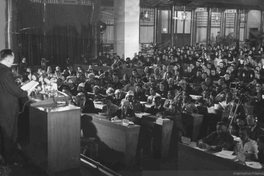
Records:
x=10, y=93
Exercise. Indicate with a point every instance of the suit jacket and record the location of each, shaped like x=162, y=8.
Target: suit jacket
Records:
x=89, y=107
x=10, y=92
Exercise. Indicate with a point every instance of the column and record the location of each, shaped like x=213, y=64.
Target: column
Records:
x=237, y=27
x=126, y=27
x=246, y=25
x=3, y=24
x=172, y=25
x=194, y=27
x=209, y=18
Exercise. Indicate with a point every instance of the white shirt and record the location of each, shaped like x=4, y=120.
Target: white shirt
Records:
x=250, y=147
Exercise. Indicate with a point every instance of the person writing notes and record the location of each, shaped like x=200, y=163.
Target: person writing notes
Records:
x=218, y=140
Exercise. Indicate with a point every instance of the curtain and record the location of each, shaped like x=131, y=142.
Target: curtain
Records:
x=54, y=31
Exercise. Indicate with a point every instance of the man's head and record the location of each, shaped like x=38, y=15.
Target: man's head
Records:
x=251, y=120
x=7, y=57
x=221, y=128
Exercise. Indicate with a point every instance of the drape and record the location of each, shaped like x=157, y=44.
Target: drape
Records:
x=53, y=31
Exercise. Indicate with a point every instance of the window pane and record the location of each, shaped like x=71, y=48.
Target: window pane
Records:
x=146, y=34
x=108, y=35
x=188, y=22
x=202, y=19
x=164, y=21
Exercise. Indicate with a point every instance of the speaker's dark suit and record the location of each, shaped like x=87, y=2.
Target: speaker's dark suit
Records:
x=10, y=93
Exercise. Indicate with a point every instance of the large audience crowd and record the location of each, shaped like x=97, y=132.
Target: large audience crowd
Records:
x=175, y=80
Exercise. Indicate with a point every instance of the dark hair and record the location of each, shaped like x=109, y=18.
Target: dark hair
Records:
x=109, y=98
x=4, y=53
x=221, y=123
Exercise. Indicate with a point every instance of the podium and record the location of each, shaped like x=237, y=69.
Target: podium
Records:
x=55, y=137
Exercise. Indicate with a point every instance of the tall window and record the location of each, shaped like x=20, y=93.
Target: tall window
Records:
x=165, y=21
x=183, y=22
x=215, y=24
x=146, y=26
x=108, y=18
x=201, y=26
x=230, y=22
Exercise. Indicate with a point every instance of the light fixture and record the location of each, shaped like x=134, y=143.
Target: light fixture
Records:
x=182, y=17
x=144, y=16
x=243, y=18
x=217, y=16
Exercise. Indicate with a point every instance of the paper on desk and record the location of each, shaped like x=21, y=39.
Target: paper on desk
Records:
x=159, y=121
x=200, y=149
x=223, y=155
x=255, y=165
x=140, y=114
x=29, y=86
x=227, y=152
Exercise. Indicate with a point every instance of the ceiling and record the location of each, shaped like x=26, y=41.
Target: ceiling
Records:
x=231, y=4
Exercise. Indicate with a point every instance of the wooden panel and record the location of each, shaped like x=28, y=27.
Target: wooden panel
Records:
x=118, y=137
x=193, y=159
x=64, y=140
x=55, y=137
x=166, y=137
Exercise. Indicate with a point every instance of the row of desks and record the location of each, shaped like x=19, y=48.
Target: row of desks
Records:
x=125, y=138
x=193, y=159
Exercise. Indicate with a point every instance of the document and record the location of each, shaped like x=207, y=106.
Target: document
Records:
x=30, y=86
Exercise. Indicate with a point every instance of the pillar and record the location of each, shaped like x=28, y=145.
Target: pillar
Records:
x=3, y=24
x=126, y=27
x=194, y=27
x=237, y=27
x=209, y=19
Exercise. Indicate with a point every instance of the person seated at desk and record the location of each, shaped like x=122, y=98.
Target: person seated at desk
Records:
x=169, y=101
x=96, y=94
x=217, y=140
x=125, y=112
x=241, y=121
x=247, y=146
x=118, y=97
x=255, y=128
x=110, y=109
x=139, y=93
x=260, y=143
x=157, y=107
x=86, y=105
x=153, y=94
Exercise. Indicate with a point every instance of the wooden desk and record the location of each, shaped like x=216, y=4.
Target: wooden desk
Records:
x=193, y=159
x=118, y=137
x=166, y=129
x=192, y=123
x=55, y=137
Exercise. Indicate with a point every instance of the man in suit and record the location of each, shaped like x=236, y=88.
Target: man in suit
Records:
x=217, y=140
x=10, y=94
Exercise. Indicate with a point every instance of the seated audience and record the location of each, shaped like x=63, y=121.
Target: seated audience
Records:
x=247, y=146
x=110, y=109
x=218, y=140
x=255, y=129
